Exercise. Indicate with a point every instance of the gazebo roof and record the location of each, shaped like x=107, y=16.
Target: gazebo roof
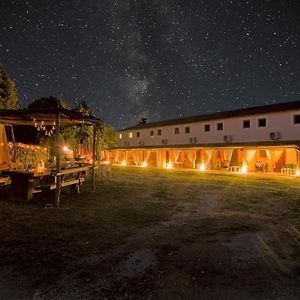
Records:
x=47, y=115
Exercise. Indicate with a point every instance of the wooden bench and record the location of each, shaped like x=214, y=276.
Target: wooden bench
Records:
x=72, y=177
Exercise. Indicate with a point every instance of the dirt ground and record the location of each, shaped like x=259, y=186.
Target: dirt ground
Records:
x=157, y=234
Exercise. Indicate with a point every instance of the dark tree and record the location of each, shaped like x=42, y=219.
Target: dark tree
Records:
x=8, y=92
x=84, y=108
x=107, y=137
x=48, y=103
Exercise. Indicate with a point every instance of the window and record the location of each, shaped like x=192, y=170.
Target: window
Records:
x=120, y=136
x=246, y=124
x=206, y=127
x=138, y=134
x=262, y=122
x=158, y=131
x=130, y=135
x=176, y=131
x=187, y=129
x=152, y=133
x=219, y=126
x=296, y=119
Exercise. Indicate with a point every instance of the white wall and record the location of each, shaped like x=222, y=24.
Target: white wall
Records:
x=282, y=122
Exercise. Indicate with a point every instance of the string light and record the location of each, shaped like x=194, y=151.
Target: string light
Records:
x=40, y=126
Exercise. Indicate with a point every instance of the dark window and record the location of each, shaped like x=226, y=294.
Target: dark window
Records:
x=158, y=131
x=262, y=122
x=176, y=130
x=152, y=133
x=296, y=119
x=219, y=126
x=138, y=134
x=206, y=127
x=246, y=123
x=187, y=130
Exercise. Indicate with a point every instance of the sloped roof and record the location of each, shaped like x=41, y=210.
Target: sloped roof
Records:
x=266, y=144
x=48, y=116
x=222, y=115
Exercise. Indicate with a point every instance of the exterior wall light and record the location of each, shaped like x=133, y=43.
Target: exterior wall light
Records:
x=244, y=169
x=202, y=167
x=169, y=166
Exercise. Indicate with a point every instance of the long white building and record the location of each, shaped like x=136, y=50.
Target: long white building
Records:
x=265, y=138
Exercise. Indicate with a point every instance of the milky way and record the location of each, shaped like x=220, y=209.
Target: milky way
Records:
x=155, y=59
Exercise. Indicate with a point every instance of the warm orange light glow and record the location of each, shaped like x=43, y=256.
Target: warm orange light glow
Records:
x=40, y=166
x=123, y=163
x=144, y=164
x=40, y=169
x=297, y=173
x=106, y=162
x=130, y=135
x=202, y=167
x=67, y=150
x=120, y=136
x=33, y=147
x=244, y=169
x=169, y=166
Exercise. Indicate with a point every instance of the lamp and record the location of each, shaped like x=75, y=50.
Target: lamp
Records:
x=169, y=166
x=244, y=169
x=202, y=167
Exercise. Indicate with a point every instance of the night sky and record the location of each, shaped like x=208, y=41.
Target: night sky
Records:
x=156, y=59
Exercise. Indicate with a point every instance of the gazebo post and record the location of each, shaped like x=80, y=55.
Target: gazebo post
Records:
x=14, y=142
x=94, y=158
x=58, y=167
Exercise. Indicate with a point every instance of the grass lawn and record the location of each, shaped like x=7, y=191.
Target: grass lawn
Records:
x=157, y=234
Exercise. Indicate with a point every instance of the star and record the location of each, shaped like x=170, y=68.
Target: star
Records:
x=154, y=59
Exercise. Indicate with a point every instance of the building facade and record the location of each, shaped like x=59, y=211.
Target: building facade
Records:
x=265, y=138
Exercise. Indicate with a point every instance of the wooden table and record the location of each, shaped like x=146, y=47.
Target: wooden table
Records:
x=22, y=183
